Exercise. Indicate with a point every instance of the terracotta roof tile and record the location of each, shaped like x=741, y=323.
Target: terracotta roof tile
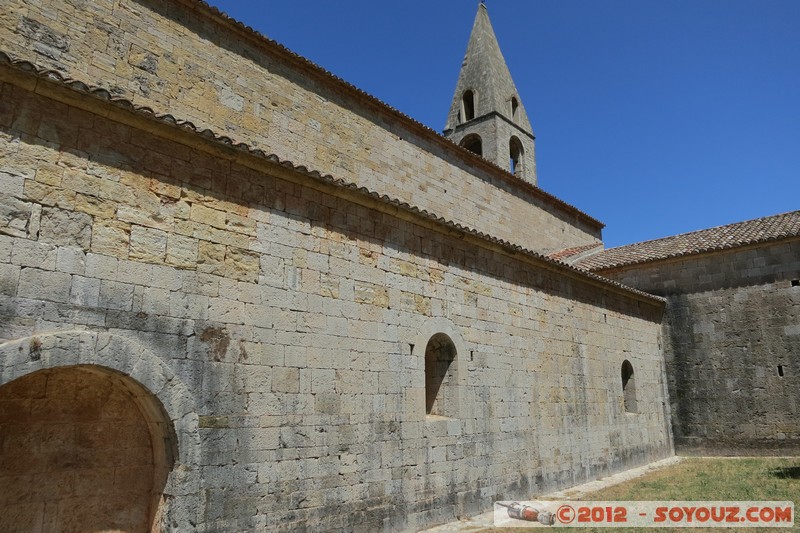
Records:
x=566, y=253
x=759, y=230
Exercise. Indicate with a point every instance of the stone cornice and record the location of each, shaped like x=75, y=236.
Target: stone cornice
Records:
x=488, y=116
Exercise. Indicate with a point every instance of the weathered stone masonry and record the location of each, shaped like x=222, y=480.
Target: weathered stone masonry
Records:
x=177, y=57
x=271, y=324
x=731, y=342
x=308, y=392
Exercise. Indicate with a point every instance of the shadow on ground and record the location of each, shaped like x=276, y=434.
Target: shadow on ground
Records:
x=789, y=472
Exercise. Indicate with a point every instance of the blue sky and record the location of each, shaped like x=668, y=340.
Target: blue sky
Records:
x=655, y=117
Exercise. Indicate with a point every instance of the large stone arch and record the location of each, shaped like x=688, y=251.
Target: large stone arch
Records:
x=164, y=401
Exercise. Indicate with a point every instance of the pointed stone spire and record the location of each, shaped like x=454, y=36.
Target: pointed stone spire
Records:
x=487, y=115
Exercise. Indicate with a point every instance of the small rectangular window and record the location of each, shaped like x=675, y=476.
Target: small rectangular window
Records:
x=780, y=370
x=796, y=283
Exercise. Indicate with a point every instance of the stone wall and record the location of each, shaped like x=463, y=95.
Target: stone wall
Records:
x=178, y=58
x=732, y=334
x=296, y=314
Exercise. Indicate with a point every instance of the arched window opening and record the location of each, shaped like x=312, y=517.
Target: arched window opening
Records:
x=468, y=105
x=473, y=143
x=515, y=156
x=514, y=109
x=440, y=378
x=628, y=387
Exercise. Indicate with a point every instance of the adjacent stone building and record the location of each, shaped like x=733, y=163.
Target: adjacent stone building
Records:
x=239, y=294
x=731, y=330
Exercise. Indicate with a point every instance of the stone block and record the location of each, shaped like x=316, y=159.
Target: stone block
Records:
x=143, y=59
x=9, y=278
x=182, y=251
x=272, y=271
x=285, y=380
x=71, y=260
x=229, y=98
x=96, y=207
x=6, y=246
x=12, y=184
x=116, y=295
x=53, y=41
x=15, y=216
x=101, y=266
x=156, y=301
x=85, y=291
x=135, y=272
x=35, y=254
x=225, y=310
x=295, y=356
x=49, y=173
x=184, y=305
x=65, y=228
x=48, y=195
x=197, y=283
x=167, y=277
x=210, y=258
x=147, y=244
x=241, y=264
x=111, y=237
x=43, y=285
x=323, y=380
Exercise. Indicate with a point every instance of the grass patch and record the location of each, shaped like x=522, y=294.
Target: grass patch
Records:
x=718, y=479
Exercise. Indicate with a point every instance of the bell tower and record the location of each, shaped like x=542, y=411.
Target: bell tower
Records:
x=487, y=116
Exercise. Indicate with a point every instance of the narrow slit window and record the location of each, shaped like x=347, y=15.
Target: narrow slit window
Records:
x=515, y=152
x=468, y=105
x=628, y=387
x=780, y=370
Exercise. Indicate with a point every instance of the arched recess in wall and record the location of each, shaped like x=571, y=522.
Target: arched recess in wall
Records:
x=440, y=376
x=628, y=387
x=444, y=371
x=110, y=433
x=473, y=143
x=469, y=105
x=516, y=152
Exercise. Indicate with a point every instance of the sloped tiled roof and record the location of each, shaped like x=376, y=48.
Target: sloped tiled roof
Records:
x=759, y=230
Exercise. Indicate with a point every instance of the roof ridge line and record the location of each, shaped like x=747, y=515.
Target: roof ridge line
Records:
x=220, y=16
x=738, y=235
x=693, y=232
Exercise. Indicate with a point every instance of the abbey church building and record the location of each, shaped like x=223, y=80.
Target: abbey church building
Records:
x=233, y=296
